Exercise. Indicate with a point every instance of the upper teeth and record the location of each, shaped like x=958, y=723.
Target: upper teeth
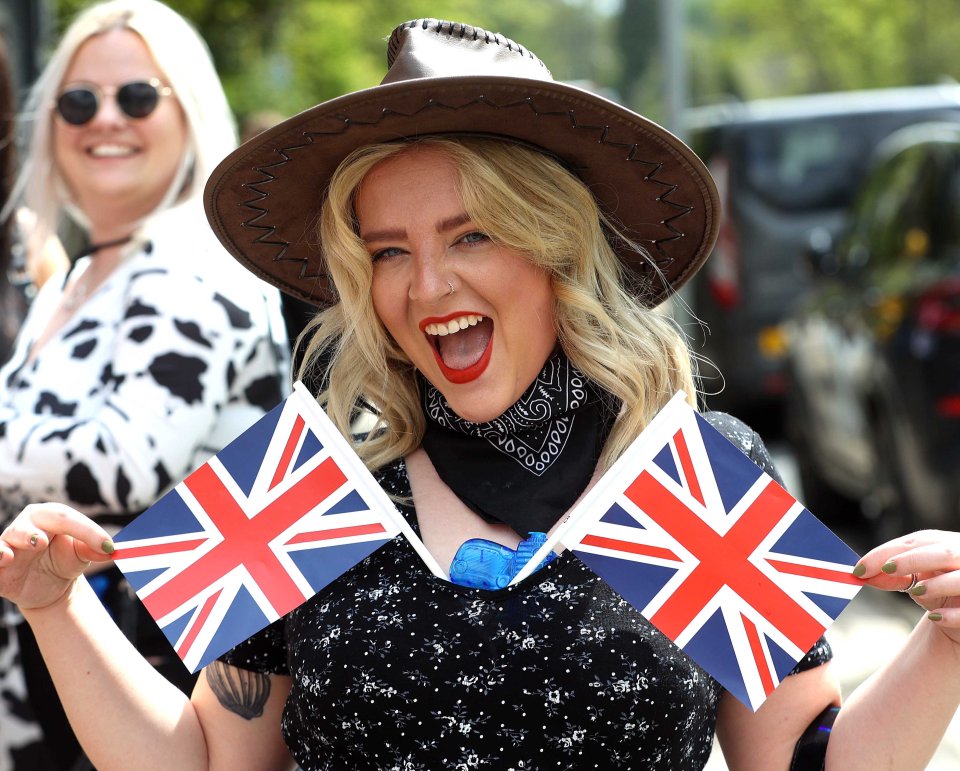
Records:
x=454, y=325
x=111, y=150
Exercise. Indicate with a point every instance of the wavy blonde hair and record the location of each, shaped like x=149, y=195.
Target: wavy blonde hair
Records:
x=526, y=201
x=182, y=56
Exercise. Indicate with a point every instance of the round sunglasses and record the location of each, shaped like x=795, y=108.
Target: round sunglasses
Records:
x=78, y=105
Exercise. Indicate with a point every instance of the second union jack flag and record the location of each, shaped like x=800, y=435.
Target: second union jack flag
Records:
x=275, y=516
x=714, y=553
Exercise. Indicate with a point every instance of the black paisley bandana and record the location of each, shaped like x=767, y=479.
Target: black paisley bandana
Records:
x=526, y=467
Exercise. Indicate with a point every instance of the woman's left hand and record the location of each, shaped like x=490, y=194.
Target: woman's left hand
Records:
x=934, y=557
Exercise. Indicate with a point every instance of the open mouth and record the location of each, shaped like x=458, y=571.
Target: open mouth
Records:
x=462, y=344
x=111, y=151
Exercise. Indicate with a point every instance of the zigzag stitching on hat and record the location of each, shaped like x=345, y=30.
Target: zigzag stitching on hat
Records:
x=603, y=131
x=268, y=230
x=666, y=260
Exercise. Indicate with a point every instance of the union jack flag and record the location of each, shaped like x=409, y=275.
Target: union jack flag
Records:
x=271, y=519
x=713, y=552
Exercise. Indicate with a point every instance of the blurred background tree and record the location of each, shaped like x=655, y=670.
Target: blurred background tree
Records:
x=286, y=55
x=757, y=48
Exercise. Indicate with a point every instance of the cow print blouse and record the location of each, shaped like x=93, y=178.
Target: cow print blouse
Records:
x=177, y=352
x=165, y=363
x=394, y=668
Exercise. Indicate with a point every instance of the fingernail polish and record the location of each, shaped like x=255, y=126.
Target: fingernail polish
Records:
x=108, y=547
x=918, y=590
x=935, y=616
x=859, y=570
x=889, y=567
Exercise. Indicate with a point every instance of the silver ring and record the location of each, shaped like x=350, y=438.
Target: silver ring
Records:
x=914, y=578
x=450, y=284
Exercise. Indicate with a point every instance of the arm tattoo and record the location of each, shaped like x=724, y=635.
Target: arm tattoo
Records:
x=238, y=690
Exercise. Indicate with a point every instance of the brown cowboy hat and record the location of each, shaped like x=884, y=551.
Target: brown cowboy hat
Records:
x=263, y=200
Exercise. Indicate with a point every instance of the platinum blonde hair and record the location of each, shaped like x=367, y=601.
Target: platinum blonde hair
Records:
x=182, y=56
x=528, y=202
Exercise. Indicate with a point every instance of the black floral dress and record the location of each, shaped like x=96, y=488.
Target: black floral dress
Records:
x=394, y=668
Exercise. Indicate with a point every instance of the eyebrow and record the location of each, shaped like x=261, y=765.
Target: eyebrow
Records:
x=390, y=234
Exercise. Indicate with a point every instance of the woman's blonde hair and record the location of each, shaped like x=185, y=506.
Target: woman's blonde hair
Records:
x=185, y=60
x=526, y=201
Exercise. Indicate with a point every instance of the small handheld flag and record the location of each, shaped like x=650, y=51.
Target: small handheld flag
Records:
x=713, y=552
x=274, y=517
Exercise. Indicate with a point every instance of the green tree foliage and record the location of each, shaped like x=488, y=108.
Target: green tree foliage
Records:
x=637, y=34
x=285, y=56
x=328, y=47
x=757, y=48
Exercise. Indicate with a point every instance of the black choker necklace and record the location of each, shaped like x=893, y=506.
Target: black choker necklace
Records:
x=94, y=248
x=76, y=294
x=526, y=467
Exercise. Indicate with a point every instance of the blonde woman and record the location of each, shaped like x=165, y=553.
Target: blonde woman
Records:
x=490, y=249
x=152, y=350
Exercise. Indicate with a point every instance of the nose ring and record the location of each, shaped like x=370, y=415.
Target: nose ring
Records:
x=450, y=284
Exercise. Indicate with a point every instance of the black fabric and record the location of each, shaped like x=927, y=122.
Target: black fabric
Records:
x=59, y=743
x=394, y=668
x=89, y=249
x=138, y=626
x=810, y=753
x=528, y=466
x=748, y=440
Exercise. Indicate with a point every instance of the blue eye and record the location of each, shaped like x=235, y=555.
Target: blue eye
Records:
x=387, y=253
x=475, y=238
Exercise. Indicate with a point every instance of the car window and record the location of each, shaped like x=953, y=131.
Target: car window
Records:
x=799, y=166
x=888, y=219
x=945, y=226
x=902, y=227
x=810, y=164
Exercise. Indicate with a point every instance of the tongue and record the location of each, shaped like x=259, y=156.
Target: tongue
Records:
x=464, y=348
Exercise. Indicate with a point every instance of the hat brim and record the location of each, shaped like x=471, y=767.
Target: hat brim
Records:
x=263, y=200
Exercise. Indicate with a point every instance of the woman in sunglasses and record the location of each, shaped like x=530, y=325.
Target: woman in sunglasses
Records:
x=153, y=350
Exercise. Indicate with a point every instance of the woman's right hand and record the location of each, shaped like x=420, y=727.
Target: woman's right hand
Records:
x=44, y=550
